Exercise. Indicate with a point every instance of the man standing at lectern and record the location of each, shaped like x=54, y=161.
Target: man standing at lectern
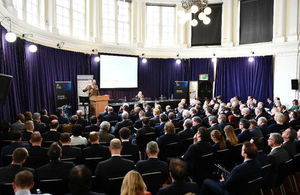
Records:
x=93, y=89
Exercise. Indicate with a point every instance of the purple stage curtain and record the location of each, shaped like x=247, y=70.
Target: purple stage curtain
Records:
x=239, y=77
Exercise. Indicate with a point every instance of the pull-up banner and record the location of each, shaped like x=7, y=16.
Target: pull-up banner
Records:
x=63, y=91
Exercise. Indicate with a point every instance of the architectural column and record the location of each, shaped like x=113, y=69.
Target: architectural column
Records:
x=140, y=23
x=236, y=23
x=279, y=21
x=227, y=21
x=98, y=11
x=91, y=10
x=292, y=20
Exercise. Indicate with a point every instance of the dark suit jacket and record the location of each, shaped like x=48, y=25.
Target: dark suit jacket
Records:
x=91, y=128
x=18, y=126
x=175, y=123
x=277, y=157
x=82, y=121
x=262, y=158
x=245, y=135
x=152, y=165
x=69, y=151
x=215, y=127
x=119, y=125
x=179, y=188
x=290, y=147
x=45, y=119
x=110, y=117
x=96, y=150
x=276, y=128
x=154, y=121
x=7, y=174
x=51, y=136
x=55, y=170
x=8, y=150
x=37, y=157
x=195, y=128
x=128, y=148
x=166, y=139
x=39, y=126
x=238, y=179
x=62, y=120
x=186, y=133
x=256, y=132
x=160, y=129
x=143, y=130
x=138, y=124
x=298, y=146
x=113, y=167
x=26, y=135
x=197, y=150
x=264, y=130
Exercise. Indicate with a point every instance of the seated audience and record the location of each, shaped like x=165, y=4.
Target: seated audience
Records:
x=138, y=123
x=230, y=135
x=67, y=150
x=68, y=127
x=178, y=172
x=155, y=119
x=255, y=131
x=37, y=154
x=133, y=184
x=262, y=123
x=104, y=134
x=126, y=122
x=234, y=118
x=187, y=131
x=80, y=181
x=95, y=149
x=16, y=142
x=111, y=115
x=298, y=141
x=5, y=129
x=145, y=129
x=19, y=124
x=76, y=138
x=38, y=125
x=83, y=122
x=213, y=122
x=279, y=126
x=237, y=181
x=23, y=183
x=29, y=130
x=294, y=106
x=289, y=135
x=277, y=156
x=219, y=141
x=246, y=113
x=163, y=118
x=168, y=137
x=28, y=116
x=294, y=120
x=94, y=125
x=127, y=147
x=115, y=166
x=152, y=164
x=261, y=156
x=245, y=135
x=52, y=135
x=196, y=124
x=61, y=117
x=7, y=174
x=56, y=169
x=44, y=117
x=172, y=118
x=222, y=121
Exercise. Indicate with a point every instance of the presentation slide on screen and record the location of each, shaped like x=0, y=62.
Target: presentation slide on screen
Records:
x=118, y=71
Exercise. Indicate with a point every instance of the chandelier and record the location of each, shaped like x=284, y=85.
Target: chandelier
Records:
x=195, y=6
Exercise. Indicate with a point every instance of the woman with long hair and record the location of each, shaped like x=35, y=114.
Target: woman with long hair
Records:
x=230, y=135
x=218, y=139
x=133, y=184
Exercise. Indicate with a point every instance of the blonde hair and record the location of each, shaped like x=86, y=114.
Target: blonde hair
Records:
x=133, y=184
x=230, y=135
x=169, y=128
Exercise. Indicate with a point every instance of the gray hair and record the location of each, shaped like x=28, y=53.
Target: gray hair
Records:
x=105, y=126
x=115, y=144
x=125, y=115
x=213, y=119
x=36, y=116
x=276, y=137
x=152, y=147
x=188, y=123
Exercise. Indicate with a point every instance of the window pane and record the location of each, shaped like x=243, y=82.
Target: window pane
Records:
x=108, y=23
x=78, y=18
x=18, y=5
x=63, y=16
x=168, y=25
x=123, y=22
x=153, y=23
x=32, y=8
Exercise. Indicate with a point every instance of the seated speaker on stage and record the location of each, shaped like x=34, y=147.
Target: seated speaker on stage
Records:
x=140, y=96
x=93, y=88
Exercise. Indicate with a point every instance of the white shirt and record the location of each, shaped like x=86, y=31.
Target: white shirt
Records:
x=275, y=148
x=78, y=140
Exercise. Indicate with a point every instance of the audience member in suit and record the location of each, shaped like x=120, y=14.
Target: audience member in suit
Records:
x=29, y=130
x=28, y=116
x=52, y=135
x=123, y=108
x=67, y=150
x=196, y=124
x=7, y=174
x=80, y=181
x=261, y=156
x=81, y=120
x=163, y=118
x=152, y=164
x=168, y=110
x=258, y=113
x=23, y=183
x=61, y=118
x=270, y=104
x=148, y=111
x=38, y=125
x=115, y=166
x=168, y=137
x=262, y=123
x=68, y=127
x=5, y=130
x=185, y=116
x=246, y=113
x=289, y=135
x=102, y=114
x=16, y=142
x=126, y=122
x=187, y=131
x=111, y=115
x=256, y=132
x=279, y=126
x=19, y=124
x=219, y=141
x=208, y=113
x=145, y=129
x=213, y=122
x=44, y=117
x=222, y=121
x=178, y=172
x=180, y=109
x=138, y=123
x=245, y=135
x=76, y=138
x=155, y=119
x=172, y=118
x=193, y=112
x=104, y=134
x=298, y=141
x=56, y=169
x=94, y=125
x=127, y=147
x=37, y=155
x=134, y=113
x=278, y=156
x=294, y=120
x=237, y=181
x=95, y=149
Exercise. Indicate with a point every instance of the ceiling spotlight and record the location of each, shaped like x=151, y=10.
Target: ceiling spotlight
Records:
x=9, y=36
x=207, y=10
x=206, y=20
x=144, y=60
x=178, y=61
x=214, y=59
x=97, y=59
x=194, y=9
x=60, y=44
x=251, y=59
x=32, y=48
x=194, y=22
x=94, y=50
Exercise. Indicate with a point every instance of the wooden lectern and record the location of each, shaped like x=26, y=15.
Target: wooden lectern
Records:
x=98, y=104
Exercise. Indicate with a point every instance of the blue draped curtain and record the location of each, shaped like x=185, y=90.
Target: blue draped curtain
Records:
x=239, y=77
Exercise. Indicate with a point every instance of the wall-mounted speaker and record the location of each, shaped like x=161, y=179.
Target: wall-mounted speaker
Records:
x=295, y=84
x=5, y=82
